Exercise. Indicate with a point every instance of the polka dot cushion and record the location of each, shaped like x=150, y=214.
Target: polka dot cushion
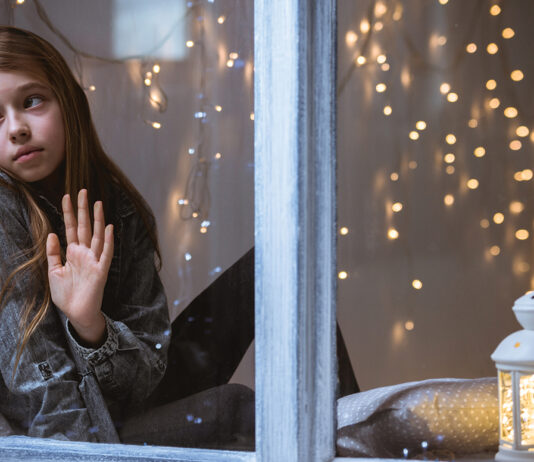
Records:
x=438, y=418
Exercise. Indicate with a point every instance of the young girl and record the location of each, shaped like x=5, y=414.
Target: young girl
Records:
x=84, y=325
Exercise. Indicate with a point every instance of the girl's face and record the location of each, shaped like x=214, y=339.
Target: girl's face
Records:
x=32, y=135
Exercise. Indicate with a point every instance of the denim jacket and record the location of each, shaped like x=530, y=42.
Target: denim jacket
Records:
x=61, y=389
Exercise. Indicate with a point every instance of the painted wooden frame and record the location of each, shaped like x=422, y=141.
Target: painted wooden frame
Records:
x=295, y=220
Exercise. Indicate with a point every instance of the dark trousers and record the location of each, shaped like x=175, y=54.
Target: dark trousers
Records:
x=209, y=339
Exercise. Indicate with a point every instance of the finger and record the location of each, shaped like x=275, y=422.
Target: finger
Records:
x=53, y=254
x=107, y=252
x=70, y=221
x=97, y=243
x=84, y=221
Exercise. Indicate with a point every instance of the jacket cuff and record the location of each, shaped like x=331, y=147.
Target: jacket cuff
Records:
x=95, y=356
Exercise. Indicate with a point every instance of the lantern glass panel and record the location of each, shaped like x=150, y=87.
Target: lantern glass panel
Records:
x=526, y=402
x=507, y=406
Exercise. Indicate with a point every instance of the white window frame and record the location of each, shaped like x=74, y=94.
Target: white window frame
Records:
x=295, y=238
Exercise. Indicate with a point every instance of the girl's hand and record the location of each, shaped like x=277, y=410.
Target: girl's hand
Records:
x=77, y=288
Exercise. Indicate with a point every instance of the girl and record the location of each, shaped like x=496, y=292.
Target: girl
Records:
x=84, y=326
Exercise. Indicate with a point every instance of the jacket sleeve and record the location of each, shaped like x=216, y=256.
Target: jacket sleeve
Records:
x=41, y=397
x=133, y=358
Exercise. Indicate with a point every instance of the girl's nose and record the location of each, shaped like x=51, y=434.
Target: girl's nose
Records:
x=19, y=131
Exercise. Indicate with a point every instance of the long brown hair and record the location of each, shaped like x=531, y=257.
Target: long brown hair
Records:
x=86, y=166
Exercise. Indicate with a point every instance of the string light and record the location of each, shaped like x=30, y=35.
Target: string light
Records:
x=492, y=48
x=508, y=33
x=510, y=112
x=495, y=10
x=516, y=75
x=491, y=84
x=218, y=155
x=233, y=55
x=417, y=284
x=190, y=44
x=522, y=131
x=148, y=82
x=344, y=231
x=221, y=19
x=444, y=88
x=515, y=145
x=527, y=174
x=378, y=26
x=381, y=59
x=156, y=68
x=498, y=218
x=230, y=63
x=420, y=125
x=351, y=38
x=218, y=108
x=495, y=250
x=494, y=103
x=516, y=207
x=394, y=176
x=414, y=135
x=156, y=125
x=364, y=26
x=449, y=158
x=387, y=110
x=385, y=67
x=92, y=88
x=521, y=234
x=473, y=123
x=448, y=200
x=484, y=223
x=471, y=48
x=479, y=152
x=450, y=169
x=452, y=97
x=443, y=2
x=408, y=325
x=381, y=87
x=412, y=165
x=20, y=2
x=393, y=233
x=361, y=60
x=472, y=183
x=450, y=139
x=342, y=275
x=442, y=40
x=396, y=207
x=380, y=9
x=251, y=116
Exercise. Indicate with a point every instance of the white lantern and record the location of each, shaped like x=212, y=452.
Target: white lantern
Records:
x=514, y=359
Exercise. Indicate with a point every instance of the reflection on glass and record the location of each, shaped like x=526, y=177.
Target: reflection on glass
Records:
x=98, y=345
x=506, y=403
x=526, y=400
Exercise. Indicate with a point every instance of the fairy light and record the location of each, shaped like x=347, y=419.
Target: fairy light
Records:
x=20, y=2
x=342, y=275
x=522, y=131
x=380, y=9
x=194, y=214
x=417, y=284
x=156, y=125
x=387, y=110
x=412, y=165
x=385, y=67
x=473, y=123
x=397, y=14
x=351, y=38
x=516, y=75
x=361, y=60
x=218, y=108
x=450, y=169
x=442, y=40
x=452, y=97
x=393, y=234
x=148, y=82
x=508, y=33
x=408, y=325
x=221, y=19
x=92, y=88
x=156, y=68
x=448, y=200
x=414, y=135
x=230, y=63
x=364, y=26
x=494, y=103
x=479, y=152
x=498, y=218
x=217, y=155
x=527, y=174
x=381, y=87
x=495, y=250
x=344, y=231
x=444, y=88
x=484, y=223
x=443, y=2
x=233, y=55
x=378, y=26
x=449, y=158
x=420, y=125
x=510, y=112
x=190, y=44
x=251, y=116
x=471, y=48
x=492, y=48
x=472, y=183
x=381, y=59
x=516, y=207
x=396, y=207
x=515, y=145
x=450, y=138
x=491, y=84
x=495, y=10
x=521, y=234
x=188, y=256
x=394, y=176
x=203, y=229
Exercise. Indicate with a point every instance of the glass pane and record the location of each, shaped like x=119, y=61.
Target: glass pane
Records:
x=135, y=355
x=435, y=214
x=526, y=403
x=506, y=405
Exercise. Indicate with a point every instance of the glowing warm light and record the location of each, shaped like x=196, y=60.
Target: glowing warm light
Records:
x=351, y=38
x=387, y=110
x=443, y=2
x=491, y=84
x=494, y=103
x=156, y=68
x=194, y=214
x=203, y=229
x=394, y=176
x=492, y=48
x=498, y=218
x=364, y=26
x=342, y=275
x=380, y=9
x=189, y=44
x=420, y=125
x=516, y=75
x=484, y=223
x=450, y=139
x=452, y=97
x=233, y=55
x=450, y=169
x=218, y=108
x=378, y=26
x=20, y=2
x=148, y=82
x=396, y=207
x=156, y=125
x=397, y=14
x=414, y=135
x=479, y=152
x=361, y=60
x=473, y=123
x=508, y=33
x=472, y=183
x=444, y=88
x=221, y=19
x=522, y=131
x=471, y=48
x=412, y=165
x=442, y=40
x=518, y=176
x=385, y=67
x=381, y=59
x=409, y=325
x=251, y=116
x=417, y=284
x=218, y=155
x=448, y=200
x=344, y=231
x=393, y=233
x=92, y=88
x=515, y=145
x=516, y=207
x=510, y=112
x=495, y=250
x=230, y=63
x=521, y=234
x=381, y=87
x=495, y=10
x=521, y=267
x=527, y=174
x=449, y=158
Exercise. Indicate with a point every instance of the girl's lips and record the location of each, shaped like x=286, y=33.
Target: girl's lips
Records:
x=28, y=156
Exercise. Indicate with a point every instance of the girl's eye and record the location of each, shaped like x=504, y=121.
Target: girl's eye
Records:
x=32, y=101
